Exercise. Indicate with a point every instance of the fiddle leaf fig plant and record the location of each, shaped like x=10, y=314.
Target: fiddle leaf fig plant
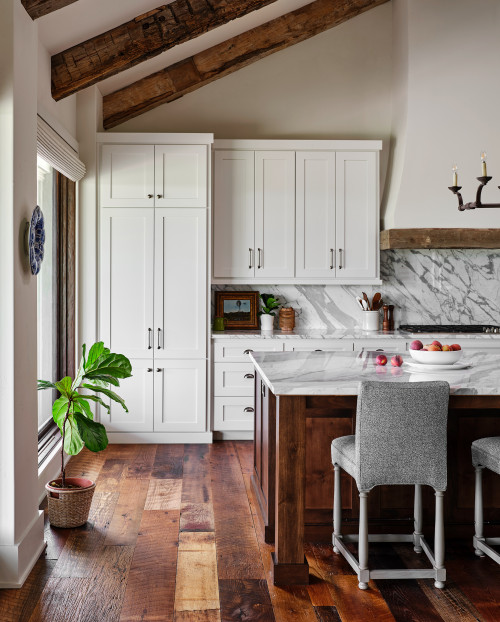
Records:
x=269, y=304
x=72, y=412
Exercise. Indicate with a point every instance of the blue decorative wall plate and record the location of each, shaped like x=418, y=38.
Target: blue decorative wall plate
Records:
x=36, y=240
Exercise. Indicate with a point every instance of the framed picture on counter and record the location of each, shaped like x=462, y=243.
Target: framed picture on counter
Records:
x=239, y=309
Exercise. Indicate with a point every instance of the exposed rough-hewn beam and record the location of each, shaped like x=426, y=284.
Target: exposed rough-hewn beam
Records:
x=221, y=60
x=39, y=8
x=144, y=37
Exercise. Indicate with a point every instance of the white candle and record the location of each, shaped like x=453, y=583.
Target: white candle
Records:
x=455, y=176
x=483, y=163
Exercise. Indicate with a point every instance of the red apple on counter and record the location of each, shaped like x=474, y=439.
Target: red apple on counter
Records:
x=455, y=346
x=437, y=343
x=416, y=345
x=434, y=348
x=397, y=360
x=381, y=359
x=446, y=348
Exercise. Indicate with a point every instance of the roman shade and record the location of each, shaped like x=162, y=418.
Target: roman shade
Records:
x=57, y=152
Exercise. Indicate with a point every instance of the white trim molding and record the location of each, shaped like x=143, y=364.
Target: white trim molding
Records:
x=17, y=560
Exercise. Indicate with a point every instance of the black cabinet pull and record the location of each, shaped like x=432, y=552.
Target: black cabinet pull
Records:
x=248, y=376
x=247, y=351
x=248, y=409
x=150, y=334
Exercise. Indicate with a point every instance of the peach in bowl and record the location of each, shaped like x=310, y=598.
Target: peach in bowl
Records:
x=435, y=353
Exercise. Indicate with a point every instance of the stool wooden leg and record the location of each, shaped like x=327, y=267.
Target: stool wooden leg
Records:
x=363, y=540
x=478, y=509
x=337, y=508
x=439, y=536
x=417, y=511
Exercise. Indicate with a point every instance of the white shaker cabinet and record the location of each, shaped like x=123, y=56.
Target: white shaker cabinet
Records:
x=181, y=175
x=289, y=211
x=154, y=310
x=180, y=395
x=127, y=176
x=138, y=394
x=153, y=282
x=274, y=213
x=234, y=223
x=254, y=215
x=135, y=175
x=180, y=283
x=126, y=280
x=356, y=215
x=315, y=214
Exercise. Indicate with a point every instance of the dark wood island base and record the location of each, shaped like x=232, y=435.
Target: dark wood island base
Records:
x=293, y=475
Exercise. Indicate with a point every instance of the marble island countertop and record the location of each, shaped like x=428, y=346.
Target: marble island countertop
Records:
x=349, y=333
x=339, y=373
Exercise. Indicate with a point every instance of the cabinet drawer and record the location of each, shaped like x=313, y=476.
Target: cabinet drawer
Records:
x=233, y=413
x=389, y=345
x=235, y=351
x=234, y=379
x=323, y=345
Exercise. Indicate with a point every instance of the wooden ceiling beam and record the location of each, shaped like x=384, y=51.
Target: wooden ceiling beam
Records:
x=142, y=38
x=39, y=8
x=221, y=60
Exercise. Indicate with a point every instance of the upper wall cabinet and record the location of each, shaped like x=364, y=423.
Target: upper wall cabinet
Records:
x=296, y=212
x=254, y=220
x=154, y=175
x=315, y=220
x=234, y=223
x=356, y=215
x=274, y=213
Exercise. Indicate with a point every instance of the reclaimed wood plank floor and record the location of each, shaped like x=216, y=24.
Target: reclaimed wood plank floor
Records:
x=174, y=536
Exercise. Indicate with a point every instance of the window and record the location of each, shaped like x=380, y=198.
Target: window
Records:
x=47, y=293
x=55, y=295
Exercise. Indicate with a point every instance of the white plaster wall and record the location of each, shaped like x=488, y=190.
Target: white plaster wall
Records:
x=55, y=113
x=89, y=107
x=453, y=47
x=334, y=85
x=21, y=526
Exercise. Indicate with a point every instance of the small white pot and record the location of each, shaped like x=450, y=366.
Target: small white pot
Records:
x=371, y=320
x=266, y=321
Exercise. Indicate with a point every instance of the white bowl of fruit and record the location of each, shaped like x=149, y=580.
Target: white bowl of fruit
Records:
x=435, y=353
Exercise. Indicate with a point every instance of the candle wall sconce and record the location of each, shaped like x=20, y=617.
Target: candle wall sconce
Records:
x=477, y=203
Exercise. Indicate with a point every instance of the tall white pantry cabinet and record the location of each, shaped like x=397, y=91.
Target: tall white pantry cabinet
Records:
x=154, y=202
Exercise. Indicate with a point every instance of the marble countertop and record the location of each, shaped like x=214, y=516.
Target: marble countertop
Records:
x=348, y=333
x=339, y=373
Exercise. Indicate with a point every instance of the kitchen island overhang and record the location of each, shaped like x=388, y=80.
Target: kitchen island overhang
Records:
x=304, y=400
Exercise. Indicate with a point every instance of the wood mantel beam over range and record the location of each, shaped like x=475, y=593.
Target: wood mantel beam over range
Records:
x=221, y=60
x=142, y=38
x=39, y=8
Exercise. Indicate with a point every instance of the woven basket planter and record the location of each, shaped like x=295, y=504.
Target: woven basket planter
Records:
x=70, y=507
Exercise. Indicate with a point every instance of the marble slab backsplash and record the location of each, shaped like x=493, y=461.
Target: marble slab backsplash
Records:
x=425, y=286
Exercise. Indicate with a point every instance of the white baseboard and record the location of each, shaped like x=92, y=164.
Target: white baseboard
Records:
x=17, y=560
x=160, y=437
x=242, y=435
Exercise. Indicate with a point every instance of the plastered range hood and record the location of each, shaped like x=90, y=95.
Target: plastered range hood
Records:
x=439, y=238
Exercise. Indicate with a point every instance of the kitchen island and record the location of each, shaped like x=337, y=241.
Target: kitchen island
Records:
x=304, y=400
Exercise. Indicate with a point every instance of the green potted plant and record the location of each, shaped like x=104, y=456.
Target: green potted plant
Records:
x=269, y=305
x=69, y=498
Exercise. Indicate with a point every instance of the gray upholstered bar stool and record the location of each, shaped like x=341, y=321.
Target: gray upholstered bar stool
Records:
x=400, y=439
x=485, y=455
